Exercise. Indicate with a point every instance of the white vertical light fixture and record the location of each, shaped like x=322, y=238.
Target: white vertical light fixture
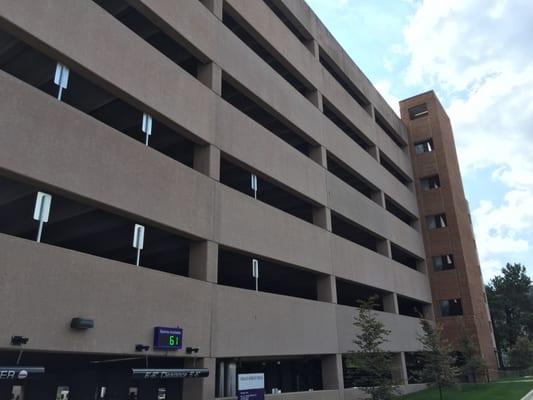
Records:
x=255, y=273
x=138, y=241
x=61, y=78
x=41, y=212
x=253, y=184
x=147, y=126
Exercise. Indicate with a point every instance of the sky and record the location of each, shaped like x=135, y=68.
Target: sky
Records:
x=477, y=55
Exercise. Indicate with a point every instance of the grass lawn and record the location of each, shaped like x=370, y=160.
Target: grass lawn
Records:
x=486, y=391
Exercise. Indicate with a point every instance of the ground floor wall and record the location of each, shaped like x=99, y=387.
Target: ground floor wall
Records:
x=78, y=376
x=44, y=287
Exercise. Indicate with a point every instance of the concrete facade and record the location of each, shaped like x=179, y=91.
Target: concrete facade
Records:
x=236, y=89
x=463, y=280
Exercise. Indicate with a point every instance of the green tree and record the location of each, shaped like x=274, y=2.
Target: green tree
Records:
x=438, y=362
x=521, y=354
x=370, y=361
x=473, y=365
x=511, y=306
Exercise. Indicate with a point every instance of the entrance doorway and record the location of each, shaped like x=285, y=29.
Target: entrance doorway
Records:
x=91, y=377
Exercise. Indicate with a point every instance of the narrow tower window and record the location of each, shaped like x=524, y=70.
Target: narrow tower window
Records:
x=452, y=307
x=443, y=263
x=418, y=111
x=430, y=183
x=436, y=221
x=424, y=146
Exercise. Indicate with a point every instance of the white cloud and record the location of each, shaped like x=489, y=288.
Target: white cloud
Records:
x=478, y=54
x=500, y=230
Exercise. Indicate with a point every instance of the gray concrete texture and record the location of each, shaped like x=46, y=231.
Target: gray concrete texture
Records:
x=58, y=148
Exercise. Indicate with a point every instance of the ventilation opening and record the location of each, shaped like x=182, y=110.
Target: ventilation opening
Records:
x=399, y=212
x=344, y=81
x=151, y=33
x=418, y=111
x=246, y=33
x=282, y=374
x=284, y=15
x=36, y=69
x=403, y=257
x=351, y=294
x=350, y=177
x=236, y=270
x=259, y=114
x=274, y=194
x=394, y=170
x=346, y=126
x=78, y=226
x=410, y=307
x=353, y=232
x=389, y=130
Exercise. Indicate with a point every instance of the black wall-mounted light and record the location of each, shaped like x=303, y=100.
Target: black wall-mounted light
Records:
x=19, y=340
x=81, y=323
x=190, y=350
x=141, y=347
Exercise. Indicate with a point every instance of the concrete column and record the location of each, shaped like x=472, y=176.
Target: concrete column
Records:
x=373, y=150
x=372, y=111
x=390, y=303
x=403, y=365
x=384, y=248
x=399, y=371
x=313, y=47
x=210, y=75
x=322, y=217
x=422, y=266
x=200, y=388
x=429, y=312
x=315, y=97
x=319, y=155
x=207, y=160
x=203, y=261
x=332, y=374
x=327, y=289
x=378, y=197
x=215, y=6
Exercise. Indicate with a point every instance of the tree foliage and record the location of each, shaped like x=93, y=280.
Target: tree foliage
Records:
x=521, y=354
x=473, y=365
x=437, y=358
x=370, y=361
x=510, y=298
